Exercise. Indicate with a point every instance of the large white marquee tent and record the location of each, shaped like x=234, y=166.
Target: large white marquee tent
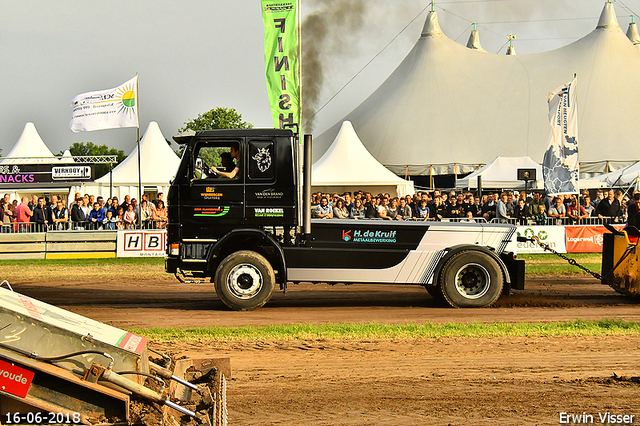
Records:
x=448, y=107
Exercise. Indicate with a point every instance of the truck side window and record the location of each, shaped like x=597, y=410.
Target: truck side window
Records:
x=261, y=160
x=210, y=160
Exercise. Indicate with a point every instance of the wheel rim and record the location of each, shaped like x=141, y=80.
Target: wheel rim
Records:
x=245, y=281
x=472, y=281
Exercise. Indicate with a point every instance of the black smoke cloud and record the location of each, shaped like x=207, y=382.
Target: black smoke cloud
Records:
x=323, y=36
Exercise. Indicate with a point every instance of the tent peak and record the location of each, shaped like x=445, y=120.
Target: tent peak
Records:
x=632, y=33
x=474, y=40
x=431, y=26
x=608, y=17
x=511, y=50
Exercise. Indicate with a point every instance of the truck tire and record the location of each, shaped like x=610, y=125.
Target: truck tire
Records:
x=244, y=280
x=471, y=279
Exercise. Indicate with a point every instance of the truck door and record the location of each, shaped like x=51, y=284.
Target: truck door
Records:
x=270, y=183
x=214, y=201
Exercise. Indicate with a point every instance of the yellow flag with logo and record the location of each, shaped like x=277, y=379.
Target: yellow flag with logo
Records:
x=281, y=59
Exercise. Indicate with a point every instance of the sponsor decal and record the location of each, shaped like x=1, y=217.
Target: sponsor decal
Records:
x=268, y=212
x=530, y=233
x=71, y=172
x=263, y=159
x=30, y=307
x=369, y=236
x=14, y=379
x=269, y=194
x=132, y=343
x=211, y=194
x=211, y=211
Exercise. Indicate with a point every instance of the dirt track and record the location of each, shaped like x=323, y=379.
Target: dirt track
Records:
x=479, y=381
x=164, y=302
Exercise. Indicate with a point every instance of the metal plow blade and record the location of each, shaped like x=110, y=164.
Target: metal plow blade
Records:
x=57, y=367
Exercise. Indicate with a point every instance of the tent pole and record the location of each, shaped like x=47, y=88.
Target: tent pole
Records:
x=139, y=162
x=431, y=176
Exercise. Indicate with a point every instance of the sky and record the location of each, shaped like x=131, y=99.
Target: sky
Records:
x=196, y=55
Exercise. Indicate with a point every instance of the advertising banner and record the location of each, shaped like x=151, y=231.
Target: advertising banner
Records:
x=585, y=239
x=281, y=58
x=551, y=235
x=560, y=162
x=141, y=243
x=47, y=173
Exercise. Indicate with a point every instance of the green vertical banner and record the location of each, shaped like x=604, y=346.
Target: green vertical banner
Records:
x=281, y=59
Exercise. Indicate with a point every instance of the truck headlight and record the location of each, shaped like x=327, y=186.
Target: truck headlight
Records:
x=175, y=250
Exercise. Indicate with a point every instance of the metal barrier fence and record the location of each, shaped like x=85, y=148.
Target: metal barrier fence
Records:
x=563, y=221
x=58, y=245
x=32, y=227
x=525, y=221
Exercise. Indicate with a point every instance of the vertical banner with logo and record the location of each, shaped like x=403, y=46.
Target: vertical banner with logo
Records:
x=106, y=109
x=281, y=58
x=560, y=163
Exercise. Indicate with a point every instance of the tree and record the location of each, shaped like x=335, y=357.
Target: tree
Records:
x=217, y=118
x=89, y=148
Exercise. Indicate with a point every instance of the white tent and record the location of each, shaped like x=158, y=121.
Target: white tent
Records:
x=455, y=107
x=628, y=176
x=158, y=164
x=347, y=165
x=502, y=172
x=29, y=149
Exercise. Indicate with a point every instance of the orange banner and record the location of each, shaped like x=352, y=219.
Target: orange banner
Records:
x=584, y=239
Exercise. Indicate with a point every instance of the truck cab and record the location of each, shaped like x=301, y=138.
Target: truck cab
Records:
x=236, y=217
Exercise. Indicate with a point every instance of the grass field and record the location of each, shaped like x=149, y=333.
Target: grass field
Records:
x=393, y=331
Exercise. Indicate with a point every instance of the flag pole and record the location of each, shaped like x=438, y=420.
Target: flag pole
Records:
x=575, y=75
x=139, y=163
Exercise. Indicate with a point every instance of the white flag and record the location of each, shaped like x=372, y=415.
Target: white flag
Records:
x=560, y=163
x=106, y=109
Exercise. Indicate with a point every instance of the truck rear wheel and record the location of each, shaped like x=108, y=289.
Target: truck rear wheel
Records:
x=244, y=280
x=471, y=279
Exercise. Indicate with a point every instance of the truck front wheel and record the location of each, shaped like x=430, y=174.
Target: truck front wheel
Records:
x=244, y=280
x=471, y=279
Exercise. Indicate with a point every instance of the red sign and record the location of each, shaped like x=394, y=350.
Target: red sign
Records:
x=585, y=239
x=15, y=380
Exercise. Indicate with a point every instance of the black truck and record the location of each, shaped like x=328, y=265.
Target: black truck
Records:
x=239, y=215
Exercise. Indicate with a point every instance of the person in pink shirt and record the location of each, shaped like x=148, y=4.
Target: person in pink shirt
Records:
x=23, y=214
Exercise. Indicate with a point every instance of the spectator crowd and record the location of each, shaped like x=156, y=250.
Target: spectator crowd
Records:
x=40, y=214
x=95, y=213
x=609, y=206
